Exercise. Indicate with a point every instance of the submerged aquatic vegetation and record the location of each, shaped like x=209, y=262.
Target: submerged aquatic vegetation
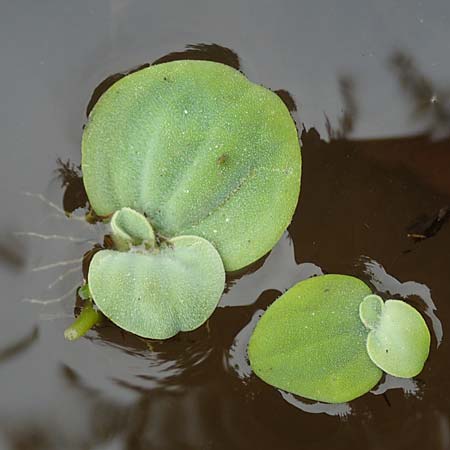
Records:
x=328, y=339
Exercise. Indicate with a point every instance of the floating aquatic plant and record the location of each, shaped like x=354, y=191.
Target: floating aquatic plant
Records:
x=199, y=171
x=200, y=150
x=156, y=292
x=328, y=339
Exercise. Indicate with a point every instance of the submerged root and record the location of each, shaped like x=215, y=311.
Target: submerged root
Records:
x=50, y=301
x=49, y=203
x=63, y=276
x=53, y=236
x=57, y=264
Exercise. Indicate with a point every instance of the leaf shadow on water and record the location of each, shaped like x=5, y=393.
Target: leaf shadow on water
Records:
x=71, y=180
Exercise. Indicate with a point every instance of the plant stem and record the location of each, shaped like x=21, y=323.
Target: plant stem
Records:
x=88, y=317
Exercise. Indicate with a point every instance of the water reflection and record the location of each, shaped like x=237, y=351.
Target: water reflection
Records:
x=268, y=277
x=236, y=359
x=338, y=409
x=13, y=253
x=349, y=115
x=426, y=227
x=430, y=102
x=19, y=347
x=409, y=386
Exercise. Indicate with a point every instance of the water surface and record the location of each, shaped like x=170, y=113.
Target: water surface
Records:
x=370, y=82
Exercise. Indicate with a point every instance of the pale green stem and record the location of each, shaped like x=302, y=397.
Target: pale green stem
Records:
x=88, y=317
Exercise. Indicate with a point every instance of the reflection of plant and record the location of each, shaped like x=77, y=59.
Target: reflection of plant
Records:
x=429, y=100
x=328, y=337
x=208, y=160
x=350, y=110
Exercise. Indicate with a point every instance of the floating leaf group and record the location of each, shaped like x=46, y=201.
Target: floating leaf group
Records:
x=198, y=170
x=328, y=339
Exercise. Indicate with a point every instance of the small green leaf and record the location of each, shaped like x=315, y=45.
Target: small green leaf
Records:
x=370, y=310
x=311, y=341
x=155, y=294
x=84, y=292
x=201, y=151
x=400, y=342
x=131, y=228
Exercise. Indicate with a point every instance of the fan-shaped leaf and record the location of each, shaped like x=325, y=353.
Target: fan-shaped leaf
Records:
x=399, y=343
x=159, y=293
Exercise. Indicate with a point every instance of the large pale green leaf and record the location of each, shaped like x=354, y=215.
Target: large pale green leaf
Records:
x=201, y=150
x=311, y=341
x=156, y=294
x=399, y=340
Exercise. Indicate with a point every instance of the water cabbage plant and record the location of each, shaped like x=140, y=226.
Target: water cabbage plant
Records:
x=197, y=171
x=329, y=338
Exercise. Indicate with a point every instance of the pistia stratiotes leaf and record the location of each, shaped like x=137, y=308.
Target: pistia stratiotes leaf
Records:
x=157, y=293
x=311, y=341
x=370, y=310
x=399, y=340
x=131, y=228
x=201, y=151
x=84, y=292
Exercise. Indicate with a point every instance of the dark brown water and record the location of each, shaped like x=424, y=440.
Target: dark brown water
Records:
x=371, y=84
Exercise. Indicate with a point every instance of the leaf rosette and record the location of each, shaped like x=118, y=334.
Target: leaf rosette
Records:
x=328, y=338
